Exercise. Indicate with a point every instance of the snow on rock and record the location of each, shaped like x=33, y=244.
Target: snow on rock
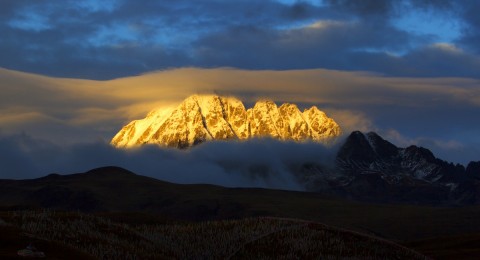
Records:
x=205, y=117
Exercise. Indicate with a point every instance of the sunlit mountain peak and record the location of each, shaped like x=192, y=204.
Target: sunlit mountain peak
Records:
x=200, y=118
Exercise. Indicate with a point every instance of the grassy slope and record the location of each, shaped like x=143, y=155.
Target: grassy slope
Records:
x=13, y=239
x=111, y=189
x=465, y=246
x=255, y=238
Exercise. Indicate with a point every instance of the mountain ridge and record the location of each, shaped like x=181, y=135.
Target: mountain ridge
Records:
x=210, y=117
x=367, y=167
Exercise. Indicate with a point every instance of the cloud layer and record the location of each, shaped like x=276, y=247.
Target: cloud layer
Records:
x=117, y=38
x=255, y=163
x=73, y=110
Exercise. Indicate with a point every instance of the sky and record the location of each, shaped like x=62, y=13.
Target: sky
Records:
x=117, y=38
x=76, y=71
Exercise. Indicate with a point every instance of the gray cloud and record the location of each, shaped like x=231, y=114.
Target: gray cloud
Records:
x=255, y=163
x=438, y=60
x=471, y=35
x=127, y=39
x=364, y=8
x=119, y=38
x=452, y=150
x=74, y=110
x=322, y=44
x=388, y=8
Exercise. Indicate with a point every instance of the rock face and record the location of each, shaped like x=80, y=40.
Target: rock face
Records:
x=367, y=167
x=209, y=117
x=473, y=170
x=369, y=153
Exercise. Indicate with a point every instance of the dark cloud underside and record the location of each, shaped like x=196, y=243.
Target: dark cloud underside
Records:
x=115, y=38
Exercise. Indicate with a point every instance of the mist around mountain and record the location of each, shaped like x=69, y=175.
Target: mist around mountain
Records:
x=253, y=163
x=360, y=167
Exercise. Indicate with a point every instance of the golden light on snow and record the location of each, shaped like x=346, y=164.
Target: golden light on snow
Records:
x=201, y=118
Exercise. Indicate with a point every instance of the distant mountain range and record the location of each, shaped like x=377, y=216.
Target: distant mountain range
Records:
x=210, y=117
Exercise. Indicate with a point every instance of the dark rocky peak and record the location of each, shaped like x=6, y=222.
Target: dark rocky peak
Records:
x=414, y=152
x=356, y=148
x=473, y=170
x=366, y=148
x=370, y=153
x=451, y=172
x=439, y=170
x=382, y=147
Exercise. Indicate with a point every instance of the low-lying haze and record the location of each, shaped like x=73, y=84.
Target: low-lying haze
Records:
x=254, y=163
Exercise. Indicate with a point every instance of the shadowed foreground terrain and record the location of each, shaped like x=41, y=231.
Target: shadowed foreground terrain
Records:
x=114, y=196
x=13, y=238
x=258, y=238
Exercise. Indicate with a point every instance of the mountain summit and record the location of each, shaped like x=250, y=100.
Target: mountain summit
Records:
x=209, y=117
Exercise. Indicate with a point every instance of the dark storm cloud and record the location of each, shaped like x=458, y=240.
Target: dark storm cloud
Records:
x=322, y=44
x=438, y=60
x=466, y=12
x=108, y=39
x=73, y=40
x=387, y=8
x=256, y=163
x=364, y=7
x=471, y=37
x=342, y=46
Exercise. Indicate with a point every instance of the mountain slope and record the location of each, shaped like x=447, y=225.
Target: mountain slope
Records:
x=209, y=117
x=113, y=189
x=107, y=237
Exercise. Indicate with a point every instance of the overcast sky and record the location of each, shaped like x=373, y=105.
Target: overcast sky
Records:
x=407, y=69
x=116, y=38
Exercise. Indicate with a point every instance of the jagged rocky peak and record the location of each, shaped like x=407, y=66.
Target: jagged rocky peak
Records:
x=370, y=147
x=367, y=147
x=381, y=146
x=356, y=148
x=200, y=118
x=473, y=170
x=369, y=153
x=414, y=152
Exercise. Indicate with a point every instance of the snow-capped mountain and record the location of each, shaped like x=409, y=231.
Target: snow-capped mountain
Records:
x=210, y=117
